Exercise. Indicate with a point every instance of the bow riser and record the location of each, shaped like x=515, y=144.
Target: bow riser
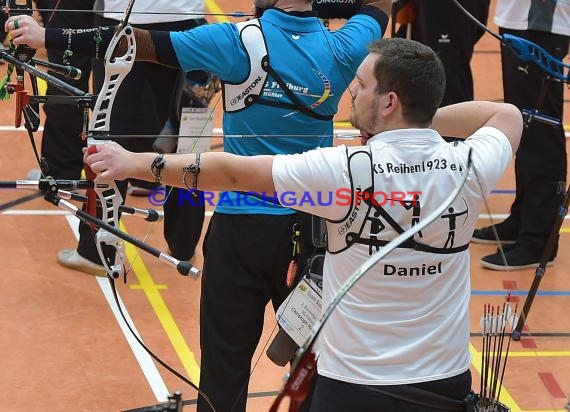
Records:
x=530, y=52
x=116, y=69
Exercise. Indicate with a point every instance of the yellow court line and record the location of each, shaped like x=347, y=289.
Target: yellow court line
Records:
x=542, y=354
x=343, y=124
x=152, y=292
x=534, y=354
x=213, y=7
x=506, y=397
x=565, y=230
x=42, y=87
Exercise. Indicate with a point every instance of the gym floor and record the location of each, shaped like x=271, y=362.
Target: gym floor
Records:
x=63, y=345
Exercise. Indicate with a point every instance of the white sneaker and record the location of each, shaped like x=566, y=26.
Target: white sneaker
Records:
x=73, y=260
x=34, y=174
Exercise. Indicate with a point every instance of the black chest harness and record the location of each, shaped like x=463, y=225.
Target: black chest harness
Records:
x=344, y=233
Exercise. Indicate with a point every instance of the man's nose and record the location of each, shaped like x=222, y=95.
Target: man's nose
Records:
x=352, y=90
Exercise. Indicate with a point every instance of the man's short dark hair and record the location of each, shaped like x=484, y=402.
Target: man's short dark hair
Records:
x=414, y=72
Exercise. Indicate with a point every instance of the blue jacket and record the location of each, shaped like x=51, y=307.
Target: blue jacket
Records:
x=316, y=64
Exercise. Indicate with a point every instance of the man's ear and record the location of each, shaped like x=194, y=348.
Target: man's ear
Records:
x=390, y=104
x=392, y=99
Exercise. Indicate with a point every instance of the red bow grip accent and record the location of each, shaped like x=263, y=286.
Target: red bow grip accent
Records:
x=91, y=206
x=22, y=100
x=298, y=385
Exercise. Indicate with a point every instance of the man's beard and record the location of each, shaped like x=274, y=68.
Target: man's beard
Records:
x=353, y=117
x=354, y=120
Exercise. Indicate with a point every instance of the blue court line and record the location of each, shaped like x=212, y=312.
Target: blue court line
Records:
x=503, y=191
x=520, y=292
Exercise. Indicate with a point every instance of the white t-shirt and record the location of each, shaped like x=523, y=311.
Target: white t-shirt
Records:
x=406, y=320
x=176, y=7
x=551, y=16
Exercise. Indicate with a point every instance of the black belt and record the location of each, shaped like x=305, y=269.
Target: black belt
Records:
x=352, y=238
x=425, y=398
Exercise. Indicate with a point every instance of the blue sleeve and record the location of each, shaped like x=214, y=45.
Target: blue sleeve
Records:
x=354, y=37
x=215, y=48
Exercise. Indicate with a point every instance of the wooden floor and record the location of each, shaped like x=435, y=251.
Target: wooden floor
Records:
x=64, y=347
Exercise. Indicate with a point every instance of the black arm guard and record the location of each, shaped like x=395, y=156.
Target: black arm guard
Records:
x=80, y=41
x=154, y=46
x=336, y=9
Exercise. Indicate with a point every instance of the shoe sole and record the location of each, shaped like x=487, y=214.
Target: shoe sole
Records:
x=84, y=269
x=492, y=241
x=493, y=266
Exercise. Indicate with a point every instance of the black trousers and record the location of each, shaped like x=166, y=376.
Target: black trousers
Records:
x=337, y=396
x=142, y=108
x=443, y=27
x=540, y=163
x=61, y=140
x=246, y=261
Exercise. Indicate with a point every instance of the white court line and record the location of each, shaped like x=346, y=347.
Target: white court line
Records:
x=39, y=212
x=17, y=129
x=145, y=361
x=30, y=212
x=504, y=216
x=209, y=213
x=217, y=131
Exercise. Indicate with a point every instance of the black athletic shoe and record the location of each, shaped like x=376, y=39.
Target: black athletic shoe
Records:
x=487, y=235
x=516, y=257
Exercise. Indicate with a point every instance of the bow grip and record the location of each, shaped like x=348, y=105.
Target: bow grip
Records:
x=91, y=206
x=89, y=174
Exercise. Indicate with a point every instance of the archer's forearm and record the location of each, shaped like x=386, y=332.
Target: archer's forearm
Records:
x=216, y=170
x=463, y=119
x=152, y=46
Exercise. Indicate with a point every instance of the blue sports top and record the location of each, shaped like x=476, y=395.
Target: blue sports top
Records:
x=316, y=64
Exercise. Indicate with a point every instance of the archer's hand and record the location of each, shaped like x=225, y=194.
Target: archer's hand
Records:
x=111, y=162
x=25, y=30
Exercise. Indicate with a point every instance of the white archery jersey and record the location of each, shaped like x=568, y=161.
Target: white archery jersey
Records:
x=407, y=319
x=178, y=10
x=552, y=16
